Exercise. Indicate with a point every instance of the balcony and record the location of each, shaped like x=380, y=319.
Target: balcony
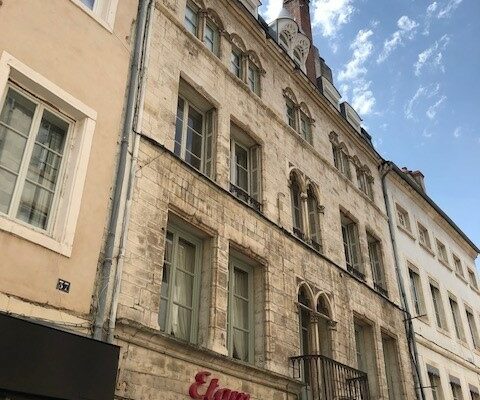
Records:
x=326, y=379
x=380, y=289
x=354, y=271
x=241, y=194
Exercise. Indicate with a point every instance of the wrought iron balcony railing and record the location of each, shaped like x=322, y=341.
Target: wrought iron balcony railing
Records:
x=356, y=272
x=327, y=379
x=380, y=289
x=245, y=197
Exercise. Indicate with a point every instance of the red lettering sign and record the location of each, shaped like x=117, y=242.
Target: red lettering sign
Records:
x=211, y=392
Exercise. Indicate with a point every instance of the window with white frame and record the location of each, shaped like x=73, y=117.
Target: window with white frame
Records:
x=376, y=263
x=32, y=146
x=457, y=319
x=240, y=323
x=103, y=9
x=45, y=141
x=212, y=37
x=341, y=160
x=351, y=246
x=458, y=265
x=180, y=287
x=473, y=279
x=456, y=388
x=245, y=168
x=253, y=78
x=473, y=328
x=438, y=306
x=194, y=130
x=435, y=383
x=416, y=292
x=402, y=218
x=423, y=236
x=442, y=252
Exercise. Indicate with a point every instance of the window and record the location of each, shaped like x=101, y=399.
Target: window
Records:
x=341, y=161
x=366, y=354
x=457, y=320
x=245, y=168
x=416, y=292
x=291, y=114
x=253, y=79
x=473, y=329
x=297, y=212
x=364, y=181
x=45, y=140
x=179, y=294
x=211, y=37
x=191, y=18
x=424, y=236
x=103, y=9
x=236, y=63
x=474, y=392
x=435, y=383
x=402, y=218
x=456, y=388
x=305, y=127
x=442, y=252
x=194, y=130
x=32, y=145
x=314, y=220
x=473, y=279
x=458, y=265
x=392, y=371
x=240, y=311
x=376, y=262
x=438, y=306
x=351, y=246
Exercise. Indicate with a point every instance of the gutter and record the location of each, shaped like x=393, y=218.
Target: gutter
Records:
x=385, y=168
x=128, y=123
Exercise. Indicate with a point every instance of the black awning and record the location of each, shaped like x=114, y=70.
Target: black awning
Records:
x=44, y=361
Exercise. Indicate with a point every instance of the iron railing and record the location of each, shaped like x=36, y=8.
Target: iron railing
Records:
x=245, y=197
x=356, y=272
x=327, y=379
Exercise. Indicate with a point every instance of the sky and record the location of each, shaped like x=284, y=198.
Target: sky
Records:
x=411, y=69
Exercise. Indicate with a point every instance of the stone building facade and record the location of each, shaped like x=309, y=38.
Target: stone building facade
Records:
x=257, y=231
x=437, y=263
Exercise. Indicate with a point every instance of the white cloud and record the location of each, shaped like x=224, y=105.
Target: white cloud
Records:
x=427, y=134
x=273, y=9
x=433, y=55
x=457, y=132
x=432, y=8
x=330, y=15
x=406, y=31
x=363, y=99
x=421, y=91
x=446, y=11
x=362, y=49
x=432, y=110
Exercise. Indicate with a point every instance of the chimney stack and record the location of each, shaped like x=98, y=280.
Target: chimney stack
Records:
x=300, y=11
x=418, y=177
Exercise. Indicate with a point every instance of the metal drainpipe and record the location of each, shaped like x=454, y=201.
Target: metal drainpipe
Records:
x=385, y=169
x=127, y=128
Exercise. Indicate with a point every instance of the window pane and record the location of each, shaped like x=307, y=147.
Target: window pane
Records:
x=240, y=314
x=162, y=315
x=7, y=184
x=181, y=322
x=240, y=345
x=183, y=290
x=191, y=20
x=186, y=256
x=89, y=3
x=12, y=146
x=241, y=283
x=241, y=156
x=17, y=112
x=35, y=205
x=235, y=64
x=210, y=36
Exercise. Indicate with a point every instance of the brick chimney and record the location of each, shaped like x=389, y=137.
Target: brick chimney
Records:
x=300, y=11
x=418, y=177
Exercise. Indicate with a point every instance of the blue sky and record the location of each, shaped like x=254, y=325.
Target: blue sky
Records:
x=411, y=70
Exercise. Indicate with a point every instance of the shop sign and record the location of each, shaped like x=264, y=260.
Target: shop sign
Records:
x=199, y=390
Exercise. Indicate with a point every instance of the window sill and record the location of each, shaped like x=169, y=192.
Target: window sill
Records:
x=108, y=25
x=462, y=278
x=444, y=332
x=445, y=264
x=406, y=232
x=477, y=291
x=34, y=235
x=427, y=249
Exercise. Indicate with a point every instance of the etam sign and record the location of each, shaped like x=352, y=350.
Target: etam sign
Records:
x=199, y=390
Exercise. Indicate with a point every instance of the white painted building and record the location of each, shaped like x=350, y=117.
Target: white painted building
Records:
x=437, y=266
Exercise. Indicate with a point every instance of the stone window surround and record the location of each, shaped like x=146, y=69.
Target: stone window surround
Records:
x=300, y=112
x=61, y=237
x=422, y=304
x=444, y=328
x=104, y=12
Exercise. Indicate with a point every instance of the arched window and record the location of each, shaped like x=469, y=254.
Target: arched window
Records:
x=297, y=212
x=314, y=220
x=324, y=331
